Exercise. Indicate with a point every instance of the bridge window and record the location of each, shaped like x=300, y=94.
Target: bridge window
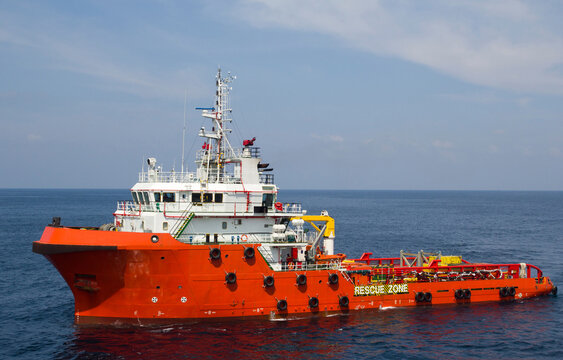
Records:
x=207, y=198
x=196, y=197
x=168, y=197
x=267, y=200
x=134, y=194
x=146, y=196
x=157, y=197
x=218, y=198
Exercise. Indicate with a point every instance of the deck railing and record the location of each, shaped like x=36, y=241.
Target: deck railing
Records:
x=434, y=271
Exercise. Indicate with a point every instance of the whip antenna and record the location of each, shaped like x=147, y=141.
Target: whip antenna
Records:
x=184, y=130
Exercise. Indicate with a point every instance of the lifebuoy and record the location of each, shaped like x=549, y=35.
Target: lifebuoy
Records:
x=278, y=206
x=290, y=266
x=244, y=237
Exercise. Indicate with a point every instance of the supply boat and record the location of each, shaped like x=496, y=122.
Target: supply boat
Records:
x=217, y=243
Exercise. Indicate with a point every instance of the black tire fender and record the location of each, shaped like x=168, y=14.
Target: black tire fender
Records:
x=282, y=305
x=215, y=254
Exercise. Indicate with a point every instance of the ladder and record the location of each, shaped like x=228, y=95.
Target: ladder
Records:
x=266, y=253
x=184, y=225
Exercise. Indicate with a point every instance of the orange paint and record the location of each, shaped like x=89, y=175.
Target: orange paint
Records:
x=123, y=275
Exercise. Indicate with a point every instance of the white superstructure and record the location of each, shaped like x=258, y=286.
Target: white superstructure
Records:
x=230, y=198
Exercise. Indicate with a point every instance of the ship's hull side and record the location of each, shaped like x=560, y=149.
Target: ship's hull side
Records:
x=118, y=275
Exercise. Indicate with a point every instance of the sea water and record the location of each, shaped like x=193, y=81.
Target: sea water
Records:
x=36, y=306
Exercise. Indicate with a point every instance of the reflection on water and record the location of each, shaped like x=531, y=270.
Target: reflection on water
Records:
x=482, y=226
x=474, y=330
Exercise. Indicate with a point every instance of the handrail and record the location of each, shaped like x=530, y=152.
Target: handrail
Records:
x=184, y=216
x=434, y=269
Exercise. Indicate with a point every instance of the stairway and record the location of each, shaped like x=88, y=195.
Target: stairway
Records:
x=184, y=225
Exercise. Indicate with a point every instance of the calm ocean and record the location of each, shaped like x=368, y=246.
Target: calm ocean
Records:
x=36, y=306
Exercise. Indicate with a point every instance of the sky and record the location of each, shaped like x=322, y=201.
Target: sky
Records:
x=390, y=95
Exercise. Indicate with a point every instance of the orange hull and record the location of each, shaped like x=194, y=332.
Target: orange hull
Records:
x=120, y=275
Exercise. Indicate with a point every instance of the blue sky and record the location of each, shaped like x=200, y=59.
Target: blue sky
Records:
x=340, y=94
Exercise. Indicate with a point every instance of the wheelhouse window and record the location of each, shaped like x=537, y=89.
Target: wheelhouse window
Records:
x=168, y=197
x=207, y=198
x=141, y=199
x=267, y=200
x=196, y=197
x=134, y=194
x=157, y=197
x=146, y=196
x=218, y=198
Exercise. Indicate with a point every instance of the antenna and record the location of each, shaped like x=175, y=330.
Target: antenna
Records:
x=184, y=130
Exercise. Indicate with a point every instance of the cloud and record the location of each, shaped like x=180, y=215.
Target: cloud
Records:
x=91, y=50
x=442, y=144
x=508, y=44
x=330, y=138
x=555, y=152
x=524, y=101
